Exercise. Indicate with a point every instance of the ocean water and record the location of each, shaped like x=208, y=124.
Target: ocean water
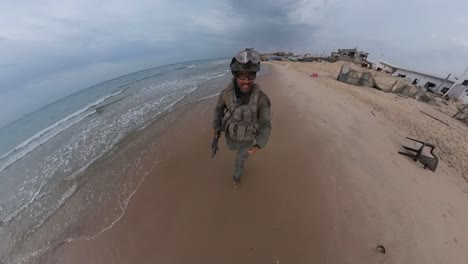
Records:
x=44, y=155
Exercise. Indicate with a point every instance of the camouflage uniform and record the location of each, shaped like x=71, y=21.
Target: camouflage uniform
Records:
x=253, y=130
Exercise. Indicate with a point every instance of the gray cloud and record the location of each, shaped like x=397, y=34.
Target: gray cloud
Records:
x=7, y=65
x=424, y=35
x=60, y=47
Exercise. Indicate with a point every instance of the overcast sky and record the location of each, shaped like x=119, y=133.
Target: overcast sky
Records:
x=51, y=48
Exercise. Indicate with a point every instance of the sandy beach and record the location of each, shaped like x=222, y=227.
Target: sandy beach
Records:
x=329, y=187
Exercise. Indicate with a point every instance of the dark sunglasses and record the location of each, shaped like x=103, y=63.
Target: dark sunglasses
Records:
x=250, y=76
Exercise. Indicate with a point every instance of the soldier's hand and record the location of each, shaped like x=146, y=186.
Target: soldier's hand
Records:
x=253, y=150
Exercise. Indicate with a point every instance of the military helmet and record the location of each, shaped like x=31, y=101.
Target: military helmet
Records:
x=246, y=60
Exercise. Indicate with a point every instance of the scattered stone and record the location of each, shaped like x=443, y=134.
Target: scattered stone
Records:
x=381, y=249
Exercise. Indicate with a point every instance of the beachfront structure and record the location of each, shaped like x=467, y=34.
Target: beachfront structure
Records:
x=460, y=88
x=352, y=55
x=430, y=82
x=385, y=67
x=451, y=86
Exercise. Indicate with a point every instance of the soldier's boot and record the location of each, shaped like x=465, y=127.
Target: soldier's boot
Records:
x=242, y=155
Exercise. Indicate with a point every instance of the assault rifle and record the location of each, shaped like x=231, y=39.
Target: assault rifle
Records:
x=214, y=144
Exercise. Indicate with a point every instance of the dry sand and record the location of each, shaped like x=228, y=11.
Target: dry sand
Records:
x=328, y=188
x=403, y=114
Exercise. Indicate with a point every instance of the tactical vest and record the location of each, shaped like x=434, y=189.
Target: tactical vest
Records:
x=242, y=124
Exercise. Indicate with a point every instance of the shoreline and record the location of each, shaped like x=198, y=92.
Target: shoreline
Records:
x=45, y=227
x=95, y=220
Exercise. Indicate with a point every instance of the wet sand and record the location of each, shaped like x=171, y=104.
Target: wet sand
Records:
x=328, y=188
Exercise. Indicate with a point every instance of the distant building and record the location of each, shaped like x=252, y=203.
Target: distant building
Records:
x=430, y=82
x=352, y=55
x=460, y=88
x=451, y=86
x=385, y=67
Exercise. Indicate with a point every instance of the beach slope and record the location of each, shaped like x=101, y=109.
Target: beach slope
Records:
x=328, y=188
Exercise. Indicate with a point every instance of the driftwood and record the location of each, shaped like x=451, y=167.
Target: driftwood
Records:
x=435, y=118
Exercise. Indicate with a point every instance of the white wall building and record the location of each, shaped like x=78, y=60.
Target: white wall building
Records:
x=384, y=66
x=460, y=88
x=451, y=87
x=427, y=81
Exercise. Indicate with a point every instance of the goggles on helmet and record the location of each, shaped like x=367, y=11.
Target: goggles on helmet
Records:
x=248, y=55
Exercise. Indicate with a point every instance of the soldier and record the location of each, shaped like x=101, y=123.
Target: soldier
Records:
x=243, y=111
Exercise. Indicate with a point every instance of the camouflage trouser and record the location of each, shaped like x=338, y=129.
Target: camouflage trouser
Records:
x=242, y=148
